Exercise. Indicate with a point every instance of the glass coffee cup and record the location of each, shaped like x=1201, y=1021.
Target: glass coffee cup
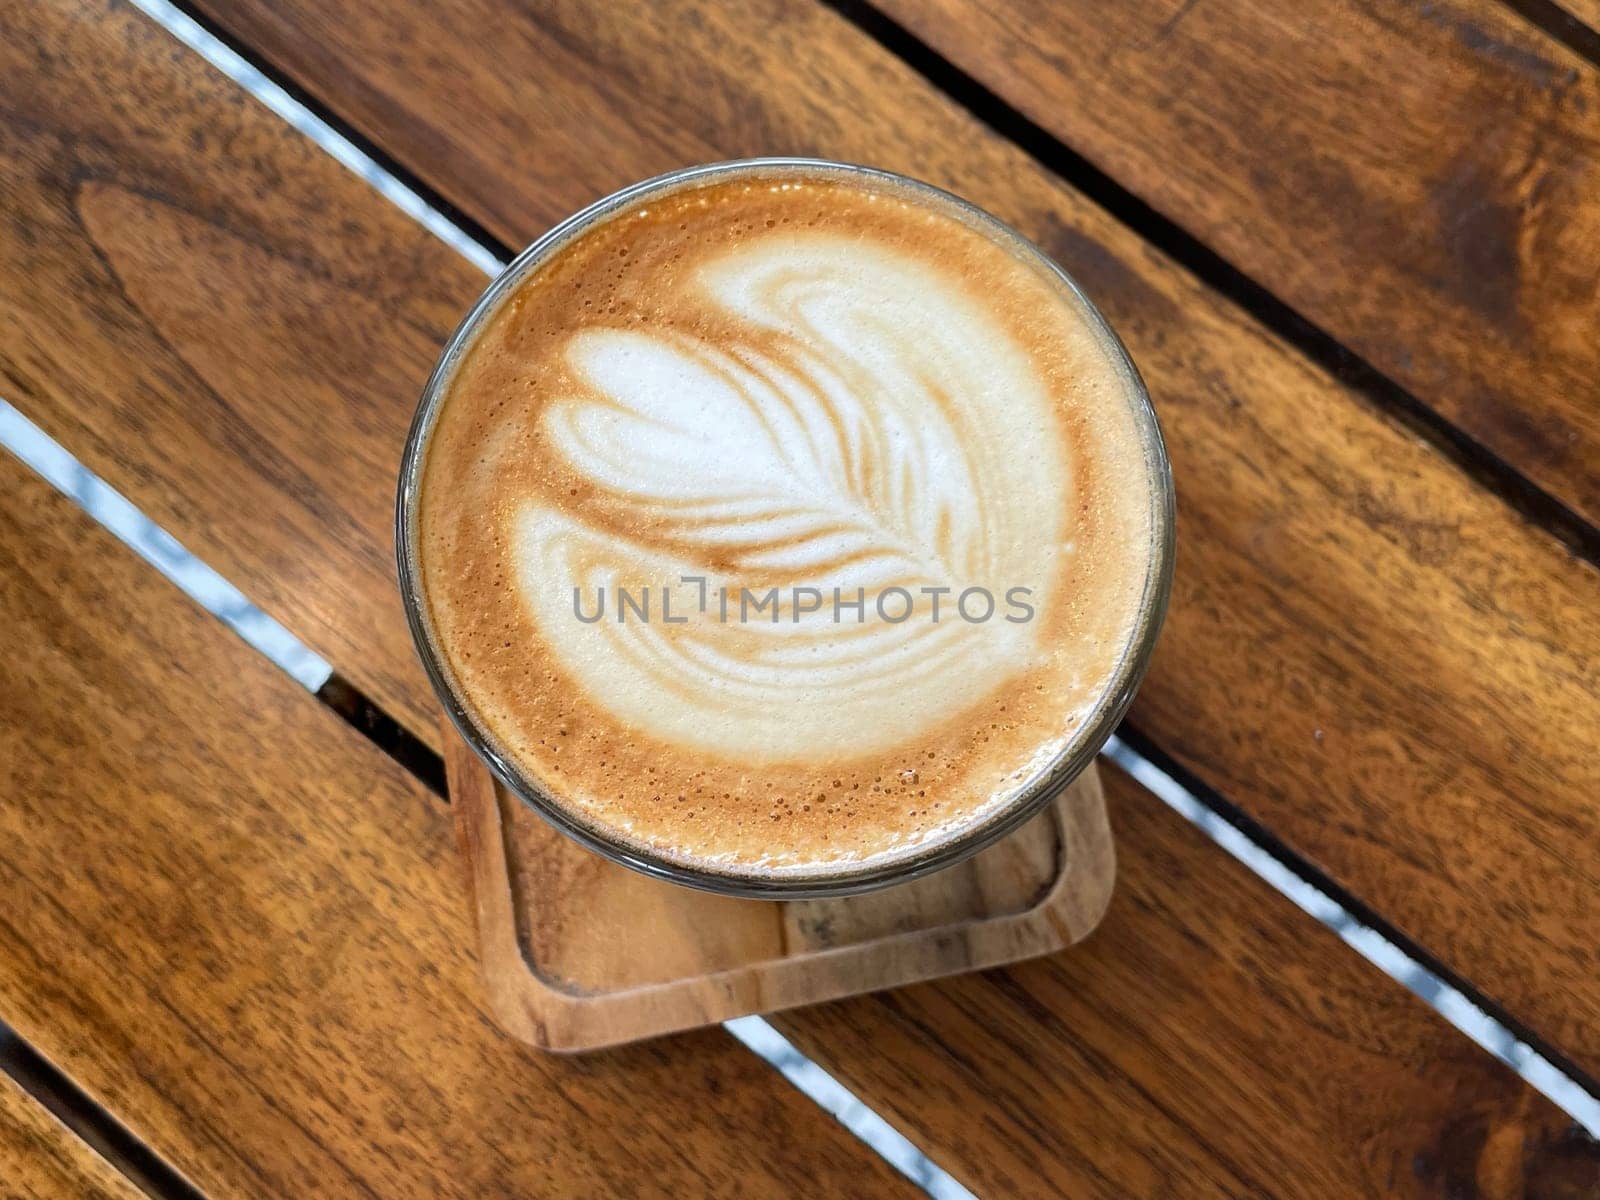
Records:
x=1046, y=775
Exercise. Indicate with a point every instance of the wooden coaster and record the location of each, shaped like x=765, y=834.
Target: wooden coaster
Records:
x=580, y=953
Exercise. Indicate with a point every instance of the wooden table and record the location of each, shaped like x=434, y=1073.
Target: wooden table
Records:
x=1353, y=247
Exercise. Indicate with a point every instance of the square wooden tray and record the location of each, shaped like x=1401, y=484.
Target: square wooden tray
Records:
x=580, y=953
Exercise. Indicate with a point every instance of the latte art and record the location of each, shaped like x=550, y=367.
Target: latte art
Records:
x=842, y=435
x=784, y=523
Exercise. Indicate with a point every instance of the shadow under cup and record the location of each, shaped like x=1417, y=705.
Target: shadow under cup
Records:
x=989, y=826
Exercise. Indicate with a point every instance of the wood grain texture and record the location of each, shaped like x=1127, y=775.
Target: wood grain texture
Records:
x=1012, y=1099
x=245, y=938
x=116, y=367
x=579, y=953
x=41, y=1159
x=239, y=927
x=1419, y=180
x=1378, y=661
x=242, y=360
x=1207, y=1041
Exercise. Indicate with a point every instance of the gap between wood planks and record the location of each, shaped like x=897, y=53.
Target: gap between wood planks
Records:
x=1557, y=22
x=97, y=1128
x=1477, y=461
x=225, y=602
x=1425, y=974
x=1359, y=927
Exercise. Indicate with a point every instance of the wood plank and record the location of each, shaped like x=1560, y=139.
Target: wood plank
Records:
x=1419, y=180
x=251, y=449
x=1418, y=711
x=41, y=1159
x=240, y=927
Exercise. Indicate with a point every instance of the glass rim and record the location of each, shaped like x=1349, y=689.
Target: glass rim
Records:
x=1045, y=785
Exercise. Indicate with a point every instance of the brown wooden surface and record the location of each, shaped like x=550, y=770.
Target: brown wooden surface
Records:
x=272, y=456
x=41, y=1159
x=1208, y=1040
x=580, y=953
x=240, y=927
x=159, y=213
x=1418, y=708
x=246, y=938
x=1419, y=180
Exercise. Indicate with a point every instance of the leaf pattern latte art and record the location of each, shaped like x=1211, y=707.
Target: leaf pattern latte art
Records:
x=866, y=424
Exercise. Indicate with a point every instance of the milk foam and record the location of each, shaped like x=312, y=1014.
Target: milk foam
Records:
x=785, y=386
x=865, y=426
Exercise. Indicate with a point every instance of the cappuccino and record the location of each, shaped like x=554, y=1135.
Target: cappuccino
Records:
x=788, y=521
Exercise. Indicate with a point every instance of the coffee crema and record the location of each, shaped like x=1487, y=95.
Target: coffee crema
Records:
x=786, y=521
